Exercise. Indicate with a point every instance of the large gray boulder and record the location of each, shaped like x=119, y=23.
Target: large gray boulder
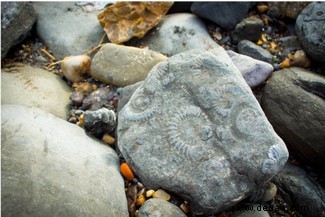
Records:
x=310, y=29
x=293, y=101
x=17, y=19
x=50, y=167
x=66, y=28
x=26, y=85
x=177, y=33
x=195, y=110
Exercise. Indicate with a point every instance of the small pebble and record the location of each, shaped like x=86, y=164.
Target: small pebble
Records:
x=84, y=87
x=300, y=59
x=160, y=193
x=140, y=200
x=108, y=139
x=77, y=98
x=76, y=67
x=262, y=8
x=73, y=120
x=269, y=193
x=285, y=63
x=149, y=193
x=185, y=207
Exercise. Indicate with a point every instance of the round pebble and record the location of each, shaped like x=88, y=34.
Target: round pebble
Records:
x=269, y=193
x=108, y=139
x=300, y=59
x=77, y=98
x=160, y=193
x=149, y=193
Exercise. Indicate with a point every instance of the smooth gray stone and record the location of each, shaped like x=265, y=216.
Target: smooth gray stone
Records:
x=310, y=29
x=17, y=19
x=248, y=48
x=249, y=29
x=50, y=167
x=293, y=101
x=195, y=110
x=156, y=207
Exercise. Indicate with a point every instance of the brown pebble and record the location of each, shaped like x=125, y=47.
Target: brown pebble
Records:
x=84, y=87
x=185, y=207
x=160, y=193
x=108, y=139
x=300, y=59
x=285, y=63
x=262, y=8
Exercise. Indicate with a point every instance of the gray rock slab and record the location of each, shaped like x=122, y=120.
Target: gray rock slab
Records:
x=177, y=33
x=195, y=110
x=310, y=29
x=255, y=72
x=17, y=19
x=249, y=29
x=26, y=85
x=123, y=65
x=156, y=207
x=293, y=101
x=248, y=48
x=50, y=167
x=302, y=192
x=66, y=29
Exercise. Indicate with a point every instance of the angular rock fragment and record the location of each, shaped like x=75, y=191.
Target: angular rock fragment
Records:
x=196, y=111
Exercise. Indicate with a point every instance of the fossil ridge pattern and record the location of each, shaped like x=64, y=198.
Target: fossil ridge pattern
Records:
x=194, y=128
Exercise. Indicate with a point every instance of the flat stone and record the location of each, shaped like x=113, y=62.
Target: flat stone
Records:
x=26, y=85
x=300, y=191
x=123, y=65
x=255, y=72
x=195, y=110
x=177, y=33
x=310, y=29
x=248, y=48
x=293, y=101
x=156, y=207
x=66, y=28
x=17, y=19
x=249, y=29
x=50, y=167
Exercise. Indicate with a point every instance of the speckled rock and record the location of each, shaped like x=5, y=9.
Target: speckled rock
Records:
x=156, y=207
x=310, y=29
x=50, y=167
x=123, y=65
x=177, y=33
x=97, y=99
x=293, y=101
x=248, y=48
x=17, y=19
x=255, y=72
x=26, y=85
x=249, y=29
x=227, y=137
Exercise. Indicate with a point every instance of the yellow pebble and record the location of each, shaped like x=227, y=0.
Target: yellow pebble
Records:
x=108, y=139
x=149, y=193
x=185, y=207
x=285, y=63
x=259, y=42
x=160, y=193
x=140, y=200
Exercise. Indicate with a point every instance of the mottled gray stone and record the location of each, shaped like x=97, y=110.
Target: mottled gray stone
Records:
x=156, y=207
x=300, y=191
x=255, y=72
x=26, y=85
x=293, y=101
x=17, y=19
x=177, y=33
x=195, y=110
x=250, y=49
x=66, y=28
x=249, y=29
x=310, y=29
x=50, y=167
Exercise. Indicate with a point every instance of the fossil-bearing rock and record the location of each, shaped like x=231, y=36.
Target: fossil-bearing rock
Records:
x=194, y=128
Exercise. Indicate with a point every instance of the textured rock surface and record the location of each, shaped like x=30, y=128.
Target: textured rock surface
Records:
x=225, y=14
x=255, y=72
x=80, y=29
x=302, y=193
x=177, y=33
x=122, y=65
x=50, y=167
x=310, y=29
x=196, y=111
x=293, y=101
x=125, y=94
x=22, y=84
x=159, y=208
x=249, y=29
x=250, y=49
x=289, y=9
x=17, y=19
x=97, y=99
x=124, y=20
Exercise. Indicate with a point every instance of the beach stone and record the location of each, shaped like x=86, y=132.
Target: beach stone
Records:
x=289, y=9
x=300, y=191
x=81, y=29
x=249, y=29
x=17, y=19
x=26, y=85
x=248, y=48
x=177, y=33
x=123, y=65
x=50, y=167
x=97, y=99
x=125, y=94
x=255, y=72
x=224, y=14
x=293, y=101
x=195, y=110
x=156, y=207
x=310, y=29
